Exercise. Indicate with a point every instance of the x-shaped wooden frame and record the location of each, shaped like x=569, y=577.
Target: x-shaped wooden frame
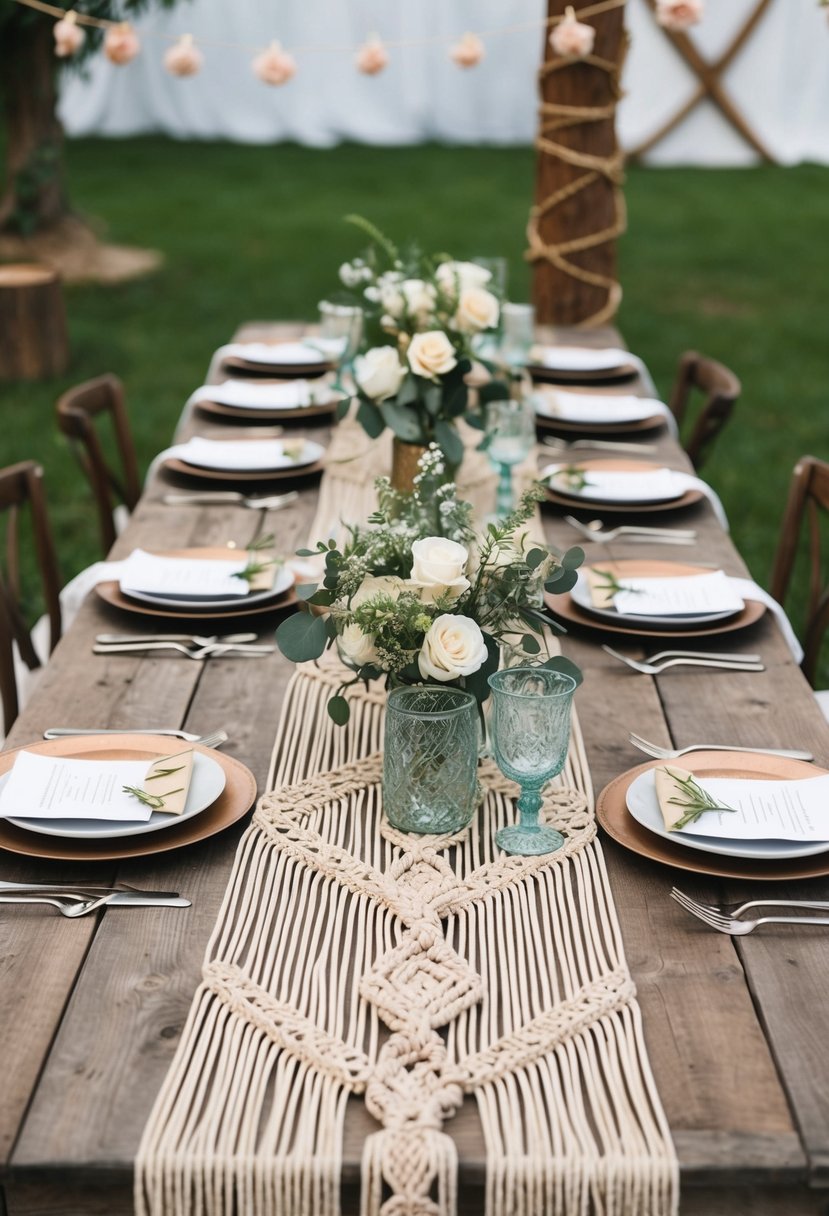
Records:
x=710, y=83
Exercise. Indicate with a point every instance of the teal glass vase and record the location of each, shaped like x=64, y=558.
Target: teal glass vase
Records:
x=430, y=759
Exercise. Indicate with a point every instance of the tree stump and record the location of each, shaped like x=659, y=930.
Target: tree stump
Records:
x=33, y=343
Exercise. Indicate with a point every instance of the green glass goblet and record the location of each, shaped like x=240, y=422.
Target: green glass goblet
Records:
x=530, y=729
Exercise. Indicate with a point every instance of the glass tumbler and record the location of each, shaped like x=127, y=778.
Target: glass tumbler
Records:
x=430, y=759
x=517, y=334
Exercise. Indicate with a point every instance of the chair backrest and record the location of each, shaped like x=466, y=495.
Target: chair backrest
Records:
x=21, y=486
x=720, y=389
x=78, y=411
x=809, y=498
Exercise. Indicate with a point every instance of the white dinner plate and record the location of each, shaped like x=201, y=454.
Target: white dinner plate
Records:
x=644, y=807
x=626, y=486
x=581, y=359
x=248, y=395
x=282, y=581
x=580, y=593
x=594, y=409
x=246, y=461
x=206, y=785
x=280, y=353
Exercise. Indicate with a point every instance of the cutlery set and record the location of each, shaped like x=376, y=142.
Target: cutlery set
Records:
x=734, y=924
x=599, y=445
x=595, y=531
x=215, y=739
x=686, y=658
x=73, y=901
x=272, y=502
x=193, y=646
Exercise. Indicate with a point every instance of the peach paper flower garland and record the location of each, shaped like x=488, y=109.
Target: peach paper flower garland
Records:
x=121, y=43
x=69, y=37
x=679, y=15
x=372, y=57
x=468, y=52
x=274, y=66
x=184, y=59
x=571, y=38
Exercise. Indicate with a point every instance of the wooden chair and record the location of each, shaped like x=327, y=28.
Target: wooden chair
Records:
x=78, y=412
x=720, y=387
x=808, y=499
x=21, y=487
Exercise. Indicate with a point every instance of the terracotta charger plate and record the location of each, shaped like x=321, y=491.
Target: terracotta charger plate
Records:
x=293, y=473
x=112, y=594
x=577, y=501
x=565, y=607
x=617, y=821
x=236, y=800
x=298, y=414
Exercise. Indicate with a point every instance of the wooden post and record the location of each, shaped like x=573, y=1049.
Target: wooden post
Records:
x=33, y=343
x=579, y=206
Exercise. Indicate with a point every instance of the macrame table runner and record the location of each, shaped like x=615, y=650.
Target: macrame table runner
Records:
x=352, y=962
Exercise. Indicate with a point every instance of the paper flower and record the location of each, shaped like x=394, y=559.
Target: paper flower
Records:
x=274, y=66
x=185, y=58
x=372, y=57
x=572, y=39
x=679, y=14
x=121, y=43
x=69, y=37
x=469, y=52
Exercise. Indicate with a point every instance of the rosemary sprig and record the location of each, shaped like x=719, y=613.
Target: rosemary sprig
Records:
x=575, y=477
x=612, y=586
x=164, y=772
x=695, y=803
x=156, y=801
x=256, y=565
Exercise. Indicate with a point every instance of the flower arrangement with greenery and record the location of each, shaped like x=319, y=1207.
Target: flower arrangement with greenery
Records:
x=418, y=597
x=421, y=313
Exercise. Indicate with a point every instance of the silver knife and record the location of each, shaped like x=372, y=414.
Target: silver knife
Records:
x=115, y=899
x=85, y=888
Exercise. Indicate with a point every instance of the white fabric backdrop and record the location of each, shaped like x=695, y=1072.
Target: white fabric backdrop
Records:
x=780, y=81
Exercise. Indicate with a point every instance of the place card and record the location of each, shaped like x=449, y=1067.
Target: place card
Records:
x=178, y=577
x=762, y=810
x=52, y=787
x=689, y=595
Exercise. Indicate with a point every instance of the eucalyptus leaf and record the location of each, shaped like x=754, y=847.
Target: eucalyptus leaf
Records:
x=339, y=710
x=535, y=557
x=477, y=683
x=456, y=400
x=450, y=441
x=433, y=399
x=302, y=637
x=561, y=581
x=408, y=392
x=573, y=558
x=370, y=419
x=305, y=590
x=496, y=390
x=403, y=420
x=530, y=644
x=343, y=407
x=566, y=666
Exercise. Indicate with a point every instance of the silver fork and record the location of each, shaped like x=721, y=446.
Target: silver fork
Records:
x=668, y=753
x=214, y=649
x=735, y=927
x=118, y=639
x=601, y=445
x=693, y=905
x=68, y=906
x=215, y=739
x=272, y=502
x=594, y=531
x=654, y=669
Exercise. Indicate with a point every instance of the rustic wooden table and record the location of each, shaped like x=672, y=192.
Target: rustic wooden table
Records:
x=91, y=1010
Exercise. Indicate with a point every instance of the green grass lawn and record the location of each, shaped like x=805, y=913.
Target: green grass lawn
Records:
x=730, y=262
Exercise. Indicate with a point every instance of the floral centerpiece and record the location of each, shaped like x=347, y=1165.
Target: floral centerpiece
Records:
x=416, y=596
x=421, y=315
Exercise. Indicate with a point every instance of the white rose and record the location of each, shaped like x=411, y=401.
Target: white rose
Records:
x=356, y=647
x=457, y=277
x=438, y=567
x=377, y=584
x=453, y=647
x=379, y=373
x=477, y=309
x=419, y=298
x=431, y=354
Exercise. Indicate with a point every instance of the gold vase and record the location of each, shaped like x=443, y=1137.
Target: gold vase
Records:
x=404, y=458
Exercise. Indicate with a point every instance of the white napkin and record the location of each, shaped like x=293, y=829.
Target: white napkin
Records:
x=237, y=455
x=655, y=485
x=248, y=394
x=600, y=407
x=194, y=578
x=273, y=354
x=749, y=590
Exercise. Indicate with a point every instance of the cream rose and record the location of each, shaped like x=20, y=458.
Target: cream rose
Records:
x=453, y=647
x=477, y=309
x=379, y=373
x=439, y=567
x=457, y=277
x=356, y=647
x=678, y=14
x=431, y=354
x=375, y=585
